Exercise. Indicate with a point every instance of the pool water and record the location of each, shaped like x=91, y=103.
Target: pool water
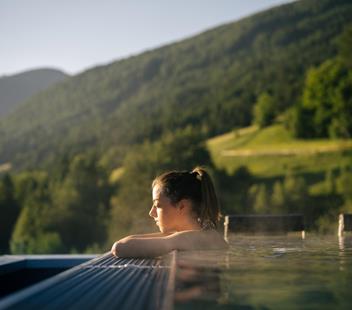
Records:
x=268, y=273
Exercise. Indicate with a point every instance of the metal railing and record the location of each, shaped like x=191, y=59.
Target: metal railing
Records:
x=345, y=223
x=263, y=223
x=105, y=282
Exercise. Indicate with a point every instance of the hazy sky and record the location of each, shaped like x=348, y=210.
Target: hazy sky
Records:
x=73, y=35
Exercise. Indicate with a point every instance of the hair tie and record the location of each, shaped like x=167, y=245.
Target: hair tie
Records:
x=197, y=175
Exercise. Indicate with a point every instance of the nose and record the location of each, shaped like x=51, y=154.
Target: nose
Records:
x=152, y=212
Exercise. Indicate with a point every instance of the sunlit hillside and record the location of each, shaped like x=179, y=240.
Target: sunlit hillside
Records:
x=272, y=151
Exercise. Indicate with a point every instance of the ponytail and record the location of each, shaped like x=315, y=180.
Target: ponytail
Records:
x=209, y=214
x=196, y=186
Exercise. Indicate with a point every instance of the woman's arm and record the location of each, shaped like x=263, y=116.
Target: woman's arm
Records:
x=151, y=247
x=141, y=247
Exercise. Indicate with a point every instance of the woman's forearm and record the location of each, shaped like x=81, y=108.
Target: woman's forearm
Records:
x=133, y=246
x=141, y=247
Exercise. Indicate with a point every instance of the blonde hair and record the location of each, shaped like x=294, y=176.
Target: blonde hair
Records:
x=197, y=186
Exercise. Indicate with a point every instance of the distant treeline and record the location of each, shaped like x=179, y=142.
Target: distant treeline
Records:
x=81, y=206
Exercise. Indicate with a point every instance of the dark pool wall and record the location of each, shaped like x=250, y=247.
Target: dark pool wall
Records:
x=14, y=281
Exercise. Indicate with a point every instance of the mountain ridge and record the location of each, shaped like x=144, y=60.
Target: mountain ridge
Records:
x=16, y=88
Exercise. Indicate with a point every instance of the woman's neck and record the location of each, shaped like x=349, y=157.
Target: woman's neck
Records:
x=190, y=225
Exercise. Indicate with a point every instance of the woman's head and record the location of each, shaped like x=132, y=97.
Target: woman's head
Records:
x=181, y=196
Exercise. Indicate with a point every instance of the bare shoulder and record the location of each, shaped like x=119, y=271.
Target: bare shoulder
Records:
x=150, y=235
x=198, y=240
x=216, y=239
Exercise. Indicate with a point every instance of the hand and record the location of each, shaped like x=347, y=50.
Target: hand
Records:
x=113, y=249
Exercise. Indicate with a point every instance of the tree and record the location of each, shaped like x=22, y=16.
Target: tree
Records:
x=278, y=198
x=261, y=202
x=9, y=210
x=81, y=204
x=299, y=121
x=233, y=200
x=29, y=183
x=31, y=235
x=296, y=192
x=345, y=46
x=344, y=186
x=251, y=196
x=264, y=110
x=330, y=183
x=326, y=102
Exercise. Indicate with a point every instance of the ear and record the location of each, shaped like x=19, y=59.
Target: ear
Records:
x=184, y=205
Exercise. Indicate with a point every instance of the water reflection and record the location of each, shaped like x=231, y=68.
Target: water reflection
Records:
x=198, y=278
x=341, y=239
x=268, y=272
x=197, y=283
x=345, y=248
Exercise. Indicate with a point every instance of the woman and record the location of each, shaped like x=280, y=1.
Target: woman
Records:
x=185, y=209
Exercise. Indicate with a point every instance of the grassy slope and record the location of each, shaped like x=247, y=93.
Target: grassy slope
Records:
x=270, y=152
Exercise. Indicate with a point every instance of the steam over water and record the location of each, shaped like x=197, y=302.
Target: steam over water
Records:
x=268, y=273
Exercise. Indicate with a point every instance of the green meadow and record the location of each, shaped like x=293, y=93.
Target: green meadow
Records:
x=272, y=151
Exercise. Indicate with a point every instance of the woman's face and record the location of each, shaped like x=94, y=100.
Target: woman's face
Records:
x=163, y=211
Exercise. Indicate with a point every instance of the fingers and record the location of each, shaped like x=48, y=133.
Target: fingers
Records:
x=113, y=249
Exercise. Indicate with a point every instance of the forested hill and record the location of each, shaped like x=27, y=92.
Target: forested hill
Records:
x=210, y=81
x=15, y=89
